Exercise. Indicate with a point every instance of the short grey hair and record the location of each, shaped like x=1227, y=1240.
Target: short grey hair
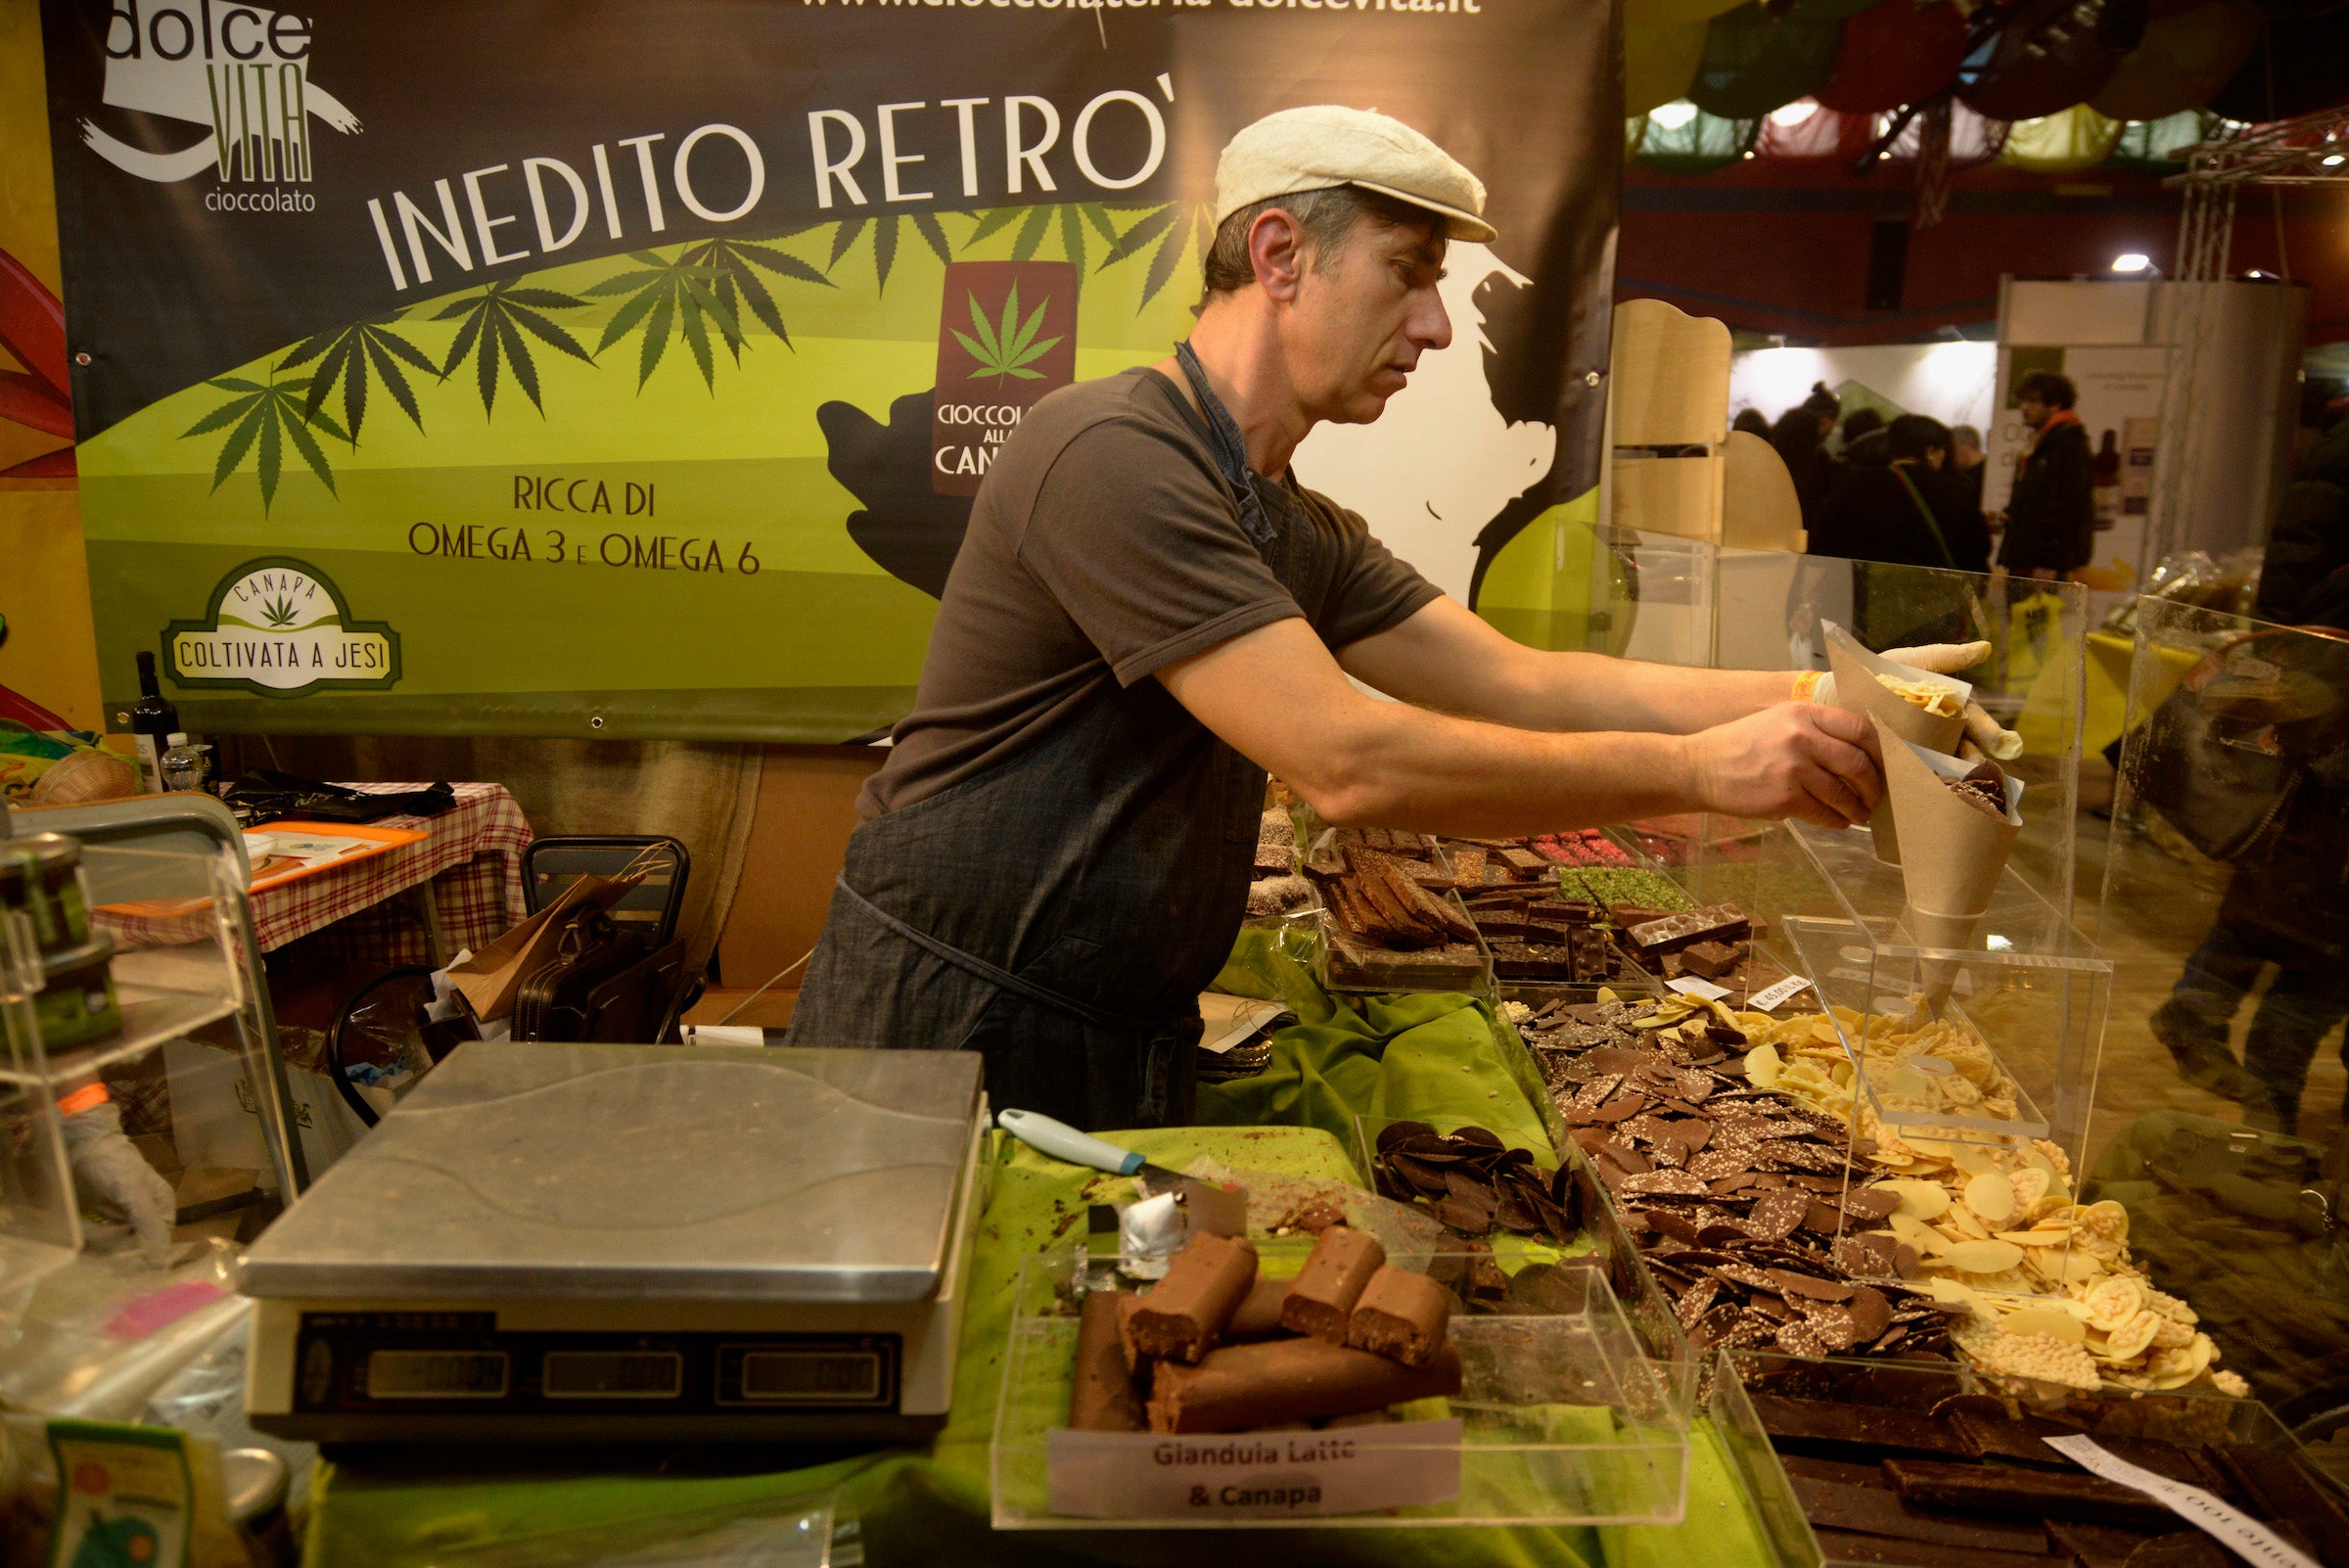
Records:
x=1967, y=434
x=1325, y=216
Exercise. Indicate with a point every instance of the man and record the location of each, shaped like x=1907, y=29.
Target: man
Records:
x=2052, y=514
x=1149, y=612
x=1965, y=461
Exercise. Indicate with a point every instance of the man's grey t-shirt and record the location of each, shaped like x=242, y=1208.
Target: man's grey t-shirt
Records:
x=1104, y=546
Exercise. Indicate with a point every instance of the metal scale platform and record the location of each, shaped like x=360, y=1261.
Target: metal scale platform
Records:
x=631, y=1243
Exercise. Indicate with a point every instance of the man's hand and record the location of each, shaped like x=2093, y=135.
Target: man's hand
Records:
x=1987, y=737
x=1794, y=760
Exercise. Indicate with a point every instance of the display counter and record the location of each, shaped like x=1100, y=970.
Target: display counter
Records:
x=1438, y=1058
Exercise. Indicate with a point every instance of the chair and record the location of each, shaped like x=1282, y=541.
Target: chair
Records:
x=652, y=907
x=551, y=864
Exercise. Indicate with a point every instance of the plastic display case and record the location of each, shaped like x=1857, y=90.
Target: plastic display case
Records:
x=145, y=1127
x=2184, y=1419
x=2227, y=916
x=1563, y=1419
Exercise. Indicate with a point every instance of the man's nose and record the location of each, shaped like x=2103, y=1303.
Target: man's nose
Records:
x=1431, y=324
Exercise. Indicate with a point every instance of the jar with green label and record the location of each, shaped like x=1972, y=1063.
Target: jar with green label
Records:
x=41, y=875
x=76, y=1002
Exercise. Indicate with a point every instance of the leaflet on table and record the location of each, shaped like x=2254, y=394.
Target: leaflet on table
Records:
x=300, y=849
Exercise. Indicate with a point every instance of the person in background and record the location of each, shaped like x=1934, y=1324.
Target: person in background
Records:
x=1866, y=448
x=2292, y=908
x=2303, y=579
x=1907, y=511
x=1966, y=463
x=1800, y=437
x=1753, y=422
x=2050, y=518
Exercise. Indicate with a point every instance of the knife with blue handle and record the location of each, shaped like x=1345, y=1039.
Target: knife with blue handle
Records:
x=1064, y=1143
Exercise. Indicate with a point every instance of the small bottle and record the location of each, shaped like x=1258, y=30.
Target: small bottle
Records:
x=185, y=764
x=153, y=723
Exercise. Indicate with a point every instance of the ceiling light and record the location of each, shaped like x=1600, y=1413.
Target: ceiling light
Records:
x=1788, y=116
x=2336, y=159
x=2132, y=261
x=1672, y=115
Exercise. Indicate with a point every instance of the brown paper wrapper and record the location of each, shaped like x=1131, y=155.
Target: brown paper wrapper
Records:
x=1857, y=690
x=1956, y=853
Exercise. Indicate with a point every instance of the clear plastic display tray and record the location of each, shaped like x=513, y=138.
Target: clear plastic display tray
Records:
x=1563, y=1419
x=1343, y=967
x=191, y=1077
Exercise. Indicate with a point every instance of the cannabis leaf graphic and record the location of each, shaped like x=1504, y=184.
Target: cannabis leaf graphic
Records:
x=665, y=296
x=736, y=264
x=494, y=322
x=1009, y=350
x=1176, y=227
x=351, y=354
x=1036, y=225
x=885, y=231
x=261, y=418
x=279, y=611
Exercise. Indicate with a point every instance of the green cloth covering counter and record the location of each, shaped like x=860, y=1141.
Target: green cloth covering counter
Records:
x=1429, y=1057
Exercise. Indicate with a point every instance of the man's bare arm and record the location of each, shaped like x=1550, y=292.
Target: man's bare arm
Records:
x=1448, y=659
x=1277, y=697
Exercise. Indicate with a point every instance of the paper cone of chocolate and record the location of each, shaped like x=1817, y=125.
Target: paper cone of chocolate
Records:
x=1919, y=705
x=1962, y=818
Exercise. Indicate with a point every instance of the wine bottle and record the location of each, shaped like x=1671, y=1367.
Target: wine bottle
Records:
x=152, y=721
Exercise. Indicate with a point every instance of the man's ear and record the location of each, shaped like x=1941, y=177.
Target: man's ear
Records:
x=1276, y=252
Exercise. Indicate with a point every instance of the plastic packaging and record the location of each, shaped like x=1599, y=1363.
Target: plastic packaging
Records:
x=113, y=1176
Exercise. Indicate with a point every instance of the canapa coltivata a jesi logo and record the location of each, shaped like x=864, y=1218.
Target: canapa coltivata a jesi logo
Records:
x=280, y=628
x=243, y=72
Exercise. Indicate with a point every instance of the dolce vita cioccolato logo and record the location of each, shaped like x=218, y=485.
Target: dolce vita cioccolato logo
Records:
x=243, y=72
x=280, y=628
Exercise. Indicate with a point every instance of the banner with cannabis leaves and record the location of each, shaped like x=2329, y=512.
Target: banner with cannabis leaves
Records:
x=626, y=370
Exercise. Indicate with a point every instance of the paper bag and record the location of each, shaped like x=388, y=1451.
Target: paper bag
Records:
x=1858, y=690
x=490, y=978
x=1956, y=852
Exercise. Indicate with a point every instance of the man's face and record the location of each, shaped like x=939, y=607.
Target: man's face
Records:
x=2034, y=412
x=1964, y=455
x=1365, y=311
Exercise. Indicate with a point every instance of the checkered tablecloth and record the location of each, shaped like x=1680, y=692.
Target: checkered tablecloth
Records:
x=472, y=857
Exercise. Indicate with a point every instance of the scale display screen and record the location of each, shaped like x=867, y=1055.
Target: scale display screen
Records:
x=349, y=1362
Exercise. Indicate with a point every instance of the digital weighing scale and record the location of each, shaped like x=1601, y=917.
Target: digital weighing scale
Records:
x=631, y=1243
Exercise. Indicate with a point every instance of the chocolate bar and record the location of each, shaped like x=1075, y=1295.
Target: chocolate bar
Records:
x=1242, y=1387
x=1324, y=1296
x=1872, y=1510
x=2027, y=1493
x=1712, y=959
x=1258, y=1316
x=1818, y=1421
x=1984, y=789
x=1104, y=1398
x=1187, y=1313
x=1527, y=960
x=1846, y=1545
x=1402, y=1315
x=1721, y=922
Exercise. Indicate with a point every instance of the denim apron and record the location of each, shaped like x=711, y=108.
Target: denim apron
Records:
x=1060, y=912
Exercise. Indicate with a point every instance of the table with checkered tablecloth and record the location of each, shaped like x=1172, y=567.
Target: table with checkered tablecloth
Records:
x=470, y=861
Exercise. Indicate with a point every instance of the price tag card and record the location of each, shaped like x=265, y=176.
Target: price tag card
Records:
x=1771, y=999
x=1253, y=1475
x=2247, y=1539
x=1702, y=990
